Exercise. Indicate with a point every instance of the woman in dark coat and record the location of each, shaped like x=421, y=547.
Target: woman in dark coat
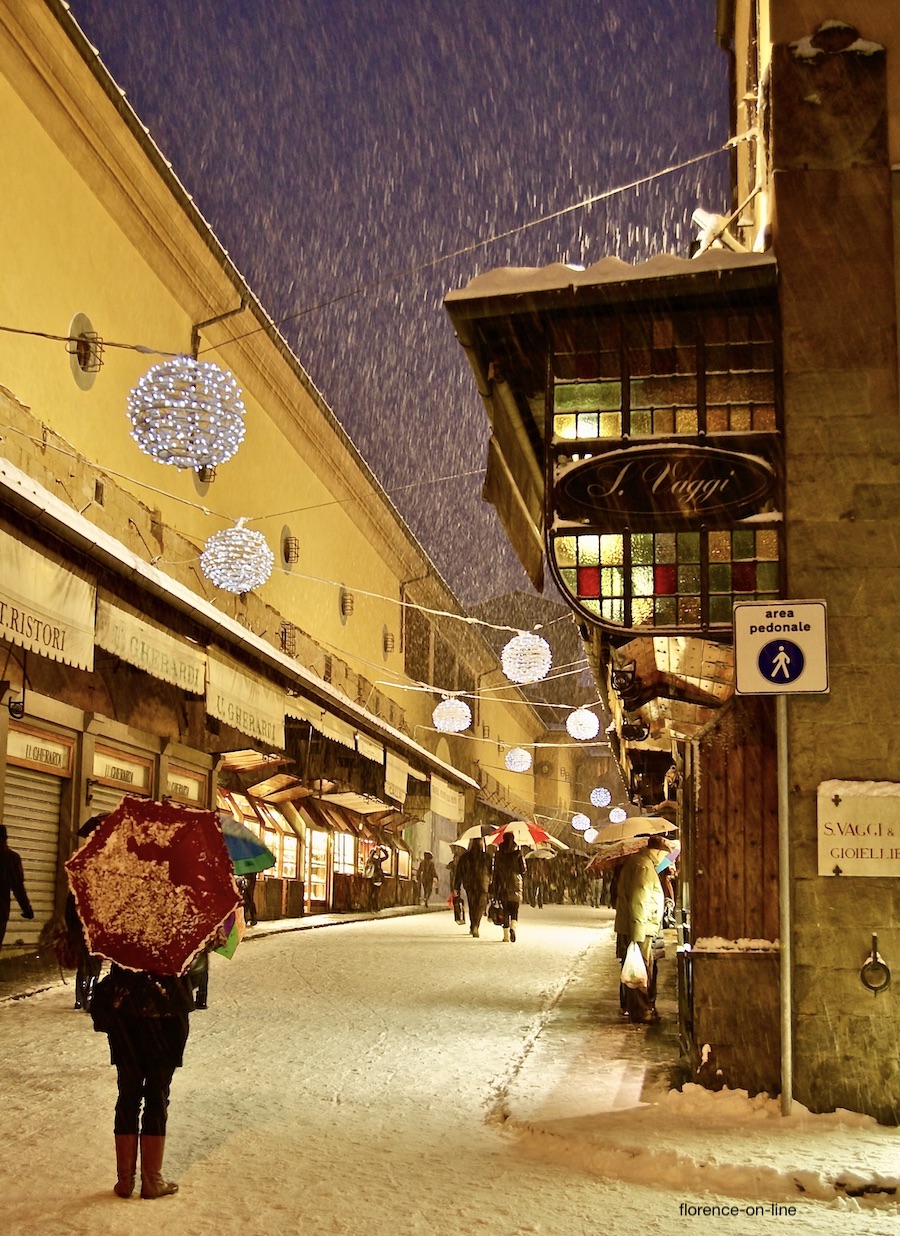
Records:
x=473, y=873
x=507, y=883
x=146, y=1019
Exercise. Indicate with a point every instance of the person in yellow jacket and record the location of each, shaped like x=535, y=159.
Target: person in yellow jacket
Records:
x=639, y=914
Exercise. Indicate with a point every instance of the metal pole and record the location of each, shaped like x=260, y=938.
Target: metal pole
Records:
x=784, y=904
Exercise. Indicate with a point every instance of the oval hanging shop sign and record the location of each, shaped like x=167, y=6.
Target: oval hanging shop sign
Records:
x=688, y=485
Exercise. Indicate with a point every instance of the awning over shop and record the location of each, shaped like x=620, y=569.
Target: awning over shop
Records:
x=133, y=638
x=22, y=493
x=246, y=703
x=369, y=748
x=447, y=801
x=44, y=606
x=322, y=720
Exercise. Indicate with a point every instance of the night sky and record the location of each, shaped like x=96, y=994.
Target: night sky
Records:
x=333, y=143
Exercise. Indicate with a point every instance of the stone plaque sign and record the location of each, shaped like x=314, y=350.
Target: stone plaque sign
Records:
x=859, y=828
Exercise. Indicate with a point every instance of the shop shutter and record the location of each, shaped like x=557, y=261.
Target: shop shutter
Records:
x=31, y=814
x=105, y=798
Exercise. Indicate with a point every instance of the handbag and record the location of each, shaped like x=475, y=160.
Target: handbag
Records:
x=634, y=969
x=495, y=912
x=105, y=999
x=459, y=909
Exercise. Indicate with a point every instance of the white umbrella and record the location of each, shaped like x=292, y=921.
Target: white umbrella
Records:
x=636, y=826
x=477, y=830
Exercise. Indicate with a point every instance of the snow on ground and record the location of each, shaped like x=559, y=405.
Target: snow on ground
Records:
x=398, y=1077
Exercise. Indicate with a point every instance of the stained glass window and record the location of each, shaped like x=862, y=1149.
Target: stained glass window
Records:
x=626, y=377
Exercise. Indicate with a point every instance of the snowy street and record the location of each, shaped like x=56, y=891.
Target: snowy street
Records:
x=399, y=1076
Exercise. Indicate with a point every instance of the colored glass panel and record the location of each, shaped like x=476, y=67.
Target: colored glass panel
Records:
x=642, y=424
x=588, y=550
x=767, y=577
x=564, y=547
x=665, y=547
x=589, y=581
x=720, y=547
x=744, y=576
x=689, y=611
x=719, y=577
x=665, y=580
x=688, y=546
x=642, y=581
x=688, y=579
x=613, y=582
x=642, y=612
x=743, y=544
x=642, y=548
x=666, y=611
x=612, y=550
x=767, y=544
x=720, y=609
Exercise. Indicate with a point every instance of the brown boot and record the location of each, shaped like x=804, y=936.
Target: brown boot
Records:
x=152, y=1183
x=126, y=1163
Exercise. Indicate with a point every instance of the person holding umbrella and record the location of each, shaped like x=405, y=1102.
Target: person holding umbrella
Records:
x=473, y=873
x=507, y=883
x=153, y=884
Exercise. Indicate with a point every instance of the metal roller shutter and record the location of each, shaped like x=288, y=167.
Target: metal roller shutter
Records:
x=31, y=814
x=104, y=798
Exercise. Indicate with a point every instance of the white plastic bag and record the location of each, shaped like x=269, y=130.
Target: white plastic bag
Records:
x=634, y=970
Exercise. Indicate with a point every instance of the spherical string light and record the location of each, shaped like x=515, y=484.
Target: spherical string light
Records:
x=452, y=715
x=590, y=834
x=580, y=822
x=187, y=413
x=518, y=759
x=237, y=559
x=618, y=815
x=526, y=658
x=601, y=796
x=583, y=724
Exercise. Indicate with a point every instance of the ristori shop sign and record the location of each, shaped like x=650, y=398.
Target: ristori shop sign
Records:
x=859, y=828
x=671, y=485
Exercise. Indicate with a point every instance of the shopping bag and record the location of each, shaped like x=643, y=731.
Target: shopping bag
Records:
x=634, y=970
x=459, y=909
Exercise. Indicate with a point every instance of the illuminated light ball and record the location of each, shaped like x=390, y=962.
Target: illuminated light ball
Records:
x=601, y=796
x=618, y=815
x=590, y=834
x=187, y=413
x=526, y=658
x=580, y=822
x=237, y=559
x=452, y=715
x=583, y=724
x=518, y=759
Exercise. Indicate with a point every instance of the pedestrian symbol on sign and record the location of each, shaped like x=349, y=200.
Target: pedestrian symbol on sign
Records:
x=781, y=660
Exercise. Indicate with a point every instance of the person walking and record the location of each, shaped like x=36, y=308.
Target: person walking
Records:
x=374, y=871
x=145, y=1017
x=427, y=876
x=473, y=873
x=507, y=882
x=12, y=883
x=639, y=906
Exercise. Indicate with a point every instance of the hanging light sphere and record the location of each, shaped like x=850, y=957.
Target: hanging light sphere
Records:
x=518, y=759
x=237, y=559
x=187, y=413
x=590, y=834
x=526, y=658
x=452, y=715
x=618, y=815
x=601, y=796
x=583, y=724
x=580, y=822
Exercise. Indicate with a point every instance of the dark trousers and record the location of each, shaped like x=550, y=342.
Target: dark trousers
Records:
x=151, y=1088
x=510, y=912
x=477, y=905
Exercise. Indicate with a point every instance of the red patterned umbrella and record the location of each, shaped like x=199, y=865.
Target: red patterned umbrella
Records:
x=526, y=832
x=152, y=884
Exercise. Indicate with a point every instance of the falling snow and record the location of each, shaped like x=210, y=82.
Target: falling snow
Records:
x=338, y=148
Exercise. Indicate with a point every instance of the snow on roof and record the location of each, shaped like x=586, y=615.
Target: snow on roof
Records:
x=516, y=280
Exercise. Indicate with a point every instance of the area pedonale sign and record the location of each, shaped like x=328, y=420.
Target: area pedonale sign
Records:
x=671, y=484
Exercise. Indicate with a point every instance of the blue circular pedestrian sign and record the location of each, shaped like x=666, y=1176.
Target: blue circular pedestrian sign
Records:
x=780, y=660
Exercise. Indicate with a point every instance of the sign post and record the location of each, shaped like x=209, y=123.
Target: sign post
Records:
x=781, y=649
